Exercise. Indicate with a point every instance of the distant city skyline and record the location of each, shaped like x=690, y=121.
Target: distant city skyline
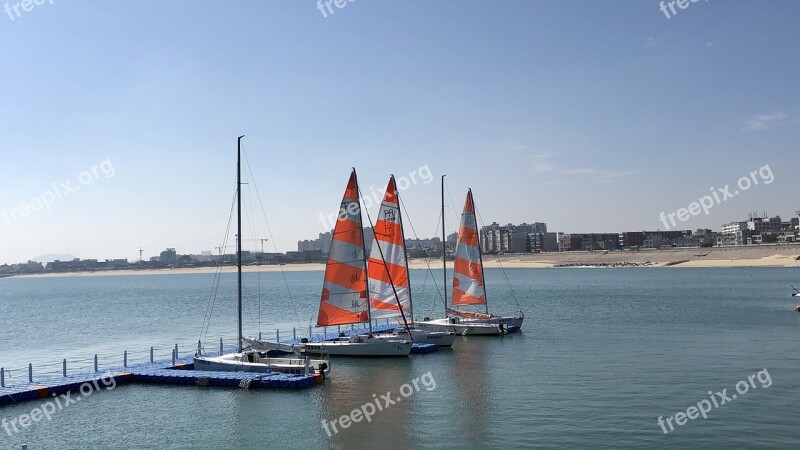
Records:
x=590, y=117
x=538, y=227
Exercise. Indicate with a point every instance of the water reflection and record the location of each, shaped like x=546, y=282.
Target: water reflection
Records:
x=357, y=382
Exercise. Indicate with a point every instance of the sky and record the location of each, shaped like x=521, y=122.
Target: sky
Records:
x=118, y=120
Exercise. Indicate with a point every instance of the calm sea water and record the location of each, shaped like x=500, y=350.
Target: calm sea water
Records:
x=603, y=354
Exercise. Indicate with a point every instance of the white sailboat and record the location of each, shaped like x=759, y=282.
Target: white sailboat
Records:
x=468, y=283
x=252, y=360
x=345, y=291
x=387, y=271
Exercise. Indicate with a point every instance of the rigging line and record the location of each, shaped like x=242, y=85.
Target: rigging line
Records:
x=502, y=269
x=247, y=304
x=251, y=223
x=452, y=206
x=217, y=276
x=427, y=259
x=274, y=245
x=215, y=281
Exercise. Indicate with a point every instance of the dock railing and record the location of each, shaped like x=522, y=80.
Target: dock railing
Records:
x=182, y=348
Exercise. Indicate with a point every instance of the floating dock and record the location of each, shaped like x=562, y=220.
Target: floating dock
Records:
x=175, y=371
x=160, y=372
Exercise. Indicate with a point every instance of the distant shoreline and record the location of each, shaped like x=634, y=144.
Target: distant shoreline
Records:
x=764, y=256
x=761, y=256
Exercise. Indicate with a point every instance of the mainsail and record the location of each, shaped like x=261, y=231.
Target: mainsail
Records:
x=468, y=287
x=344, y=291
x=387, y=261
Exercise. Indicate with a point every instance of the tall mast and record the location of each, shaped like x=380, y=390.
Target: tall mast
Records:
x=444, y=252
x=480, y=253
x=239, y=233
x=364, y=250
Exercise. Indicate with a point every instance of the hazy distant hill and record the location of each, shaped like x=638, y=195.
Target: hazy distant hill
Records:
x=53, y=257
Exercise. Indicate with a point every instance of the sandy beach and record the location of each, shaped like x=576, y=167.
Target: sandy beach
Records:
x=763, y=256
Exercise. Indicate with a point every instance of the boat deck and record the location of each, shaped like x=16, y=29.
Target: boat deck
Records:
x=378, y=328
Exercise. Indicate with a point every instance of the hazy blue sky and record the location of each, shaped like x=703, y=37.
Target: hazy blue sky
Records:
x=587, y=115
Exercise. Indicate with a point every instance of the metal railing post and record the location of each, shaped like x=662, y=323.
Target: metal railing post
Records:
x=277, y=335
x=30, y=372
x=221, y=349
x=65, y=367
x=173, y=356
x=95, y=364
x=294, y=333
x=151, y=355
x=259, y=335
x=125, y=359
x=2, y=377
x=309, y=333
x=176, y=351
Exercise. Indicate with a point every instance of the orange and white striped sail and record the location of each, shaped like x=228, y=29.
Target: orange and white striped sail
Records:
x=468, y=287
x=344, y=291
x=392, y=268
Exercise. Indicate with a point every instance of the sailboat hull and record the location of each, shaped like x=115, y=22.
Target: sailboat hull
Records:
x=357, y=347
x=243, y=362
x=514, y=321
x=420, y=336
x=464, y=328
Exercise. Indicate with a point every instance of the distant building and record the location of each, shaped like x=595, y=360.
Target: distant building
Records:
x=29, y=267
x=599, y=241
x=636, y=239
x=322, y=243
x=543, y=242
x=652, y=241
x=168, y=256
x=569, y=242
x=420, y=248
x=519, y=242
x=509, y=238
x=757, y=230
